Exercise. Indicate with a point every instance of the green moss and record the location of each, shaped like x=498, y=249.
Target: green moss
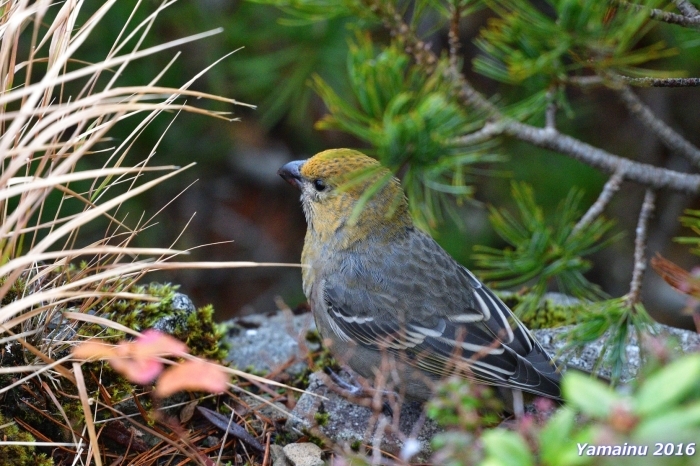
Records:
x=255, y=371
x=322, y=418
x=15, y=291
x=312, y=336
x=203, y=336
x=20, y=455
x=324, y=359
x=548, y=314
x=355, y=446
x=315, y=439
x=74, y=411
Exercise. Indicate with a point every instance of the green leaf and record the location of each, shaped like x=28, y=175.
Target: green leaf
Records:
x=668, y=387
x=673, y=425
x=592, y=397
x=506, y=448
x=558, y=437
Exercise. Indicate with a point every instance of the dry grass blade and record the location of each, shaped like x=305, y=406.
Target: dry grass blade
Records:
x=89, y=423
x=100, y=321
x=58, y=176
x=17, y=186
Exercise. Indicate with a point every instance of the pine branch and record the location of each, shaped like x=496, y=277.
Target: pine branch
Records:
x=648, y=175
x=423, y=56
x=662, y=82
x=609, y=190
x=640, y=244
x=664, y=16
x=549, y=138
x=453, y=37
x=670, y=138
x=687, y=8
x=589, y=81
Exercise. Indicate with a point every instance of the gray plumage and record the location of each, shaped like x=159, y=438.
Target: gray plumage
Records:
x=392, y=303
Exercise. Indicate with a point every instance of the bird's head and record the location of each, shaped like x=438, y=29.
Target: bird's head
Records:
x=343, y=187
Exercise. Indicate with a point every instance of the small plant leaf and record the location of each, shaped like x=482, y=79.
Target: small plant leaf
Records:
x=673, y=425
x=591, y=396
x=669, y=386
x=505, y=448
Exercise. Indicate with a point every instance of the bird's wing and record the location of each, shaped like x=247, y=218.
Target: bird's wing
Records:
x=462, y=327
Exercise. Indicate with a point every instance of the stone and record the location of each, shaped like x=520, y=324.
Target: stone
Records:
x=180, y=310
x=265, y=343
x=553, y=341
x=279, y=458
x=304, y=454
x=350, y=425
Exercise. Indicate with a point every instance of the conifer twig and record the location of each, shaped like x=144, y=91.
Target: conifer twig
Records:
x=640, y=244
x=646, y=174
x=661, y=15
x=609, y=190
x=595, y=80
x=453, y=37
x=667, y=135
x=662, y=82
x=687, y=8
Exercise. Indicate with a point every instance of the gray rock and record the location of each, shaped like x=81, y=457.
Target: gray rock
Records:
x=181, y=308
x=326, y=412
x=275, y=411
x=265, y=343
x=277, y=455
x=553, y=340
x=304, y=454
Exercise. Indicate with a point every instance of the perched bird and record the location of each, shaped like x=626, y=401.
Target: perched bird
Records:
x=392, y=303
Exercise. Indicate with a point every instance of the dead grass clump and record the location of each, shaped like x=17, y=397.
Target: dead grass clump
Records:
x=56, y=112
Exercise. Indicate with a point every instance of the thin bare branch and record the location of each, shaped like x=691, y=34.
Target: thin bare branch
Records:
x=609, y=190
x=687, y=8
x=670, y=138
x=453, y=36
x=643, y=173
x=489, y=131
x=585, y=81
x=640, y=244
x=662, y=82
x=661, y=15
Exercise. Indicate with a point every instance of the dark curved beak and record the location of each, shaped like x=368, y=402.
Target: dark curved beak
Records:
x=291, y=173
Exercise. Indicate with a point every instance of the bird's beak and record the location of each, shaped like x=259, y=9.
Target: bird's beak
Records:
x=291, y=174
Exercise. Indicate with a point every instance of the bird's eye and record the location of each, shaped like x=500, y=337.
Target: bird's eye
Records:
x=319, y=185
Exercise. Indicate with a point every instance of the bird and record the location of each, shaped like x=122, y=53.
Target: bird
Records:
x=390, y=302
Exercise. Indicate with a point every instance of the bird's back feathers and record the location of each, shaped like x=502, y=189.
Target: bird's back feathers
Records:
x=434, y=315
